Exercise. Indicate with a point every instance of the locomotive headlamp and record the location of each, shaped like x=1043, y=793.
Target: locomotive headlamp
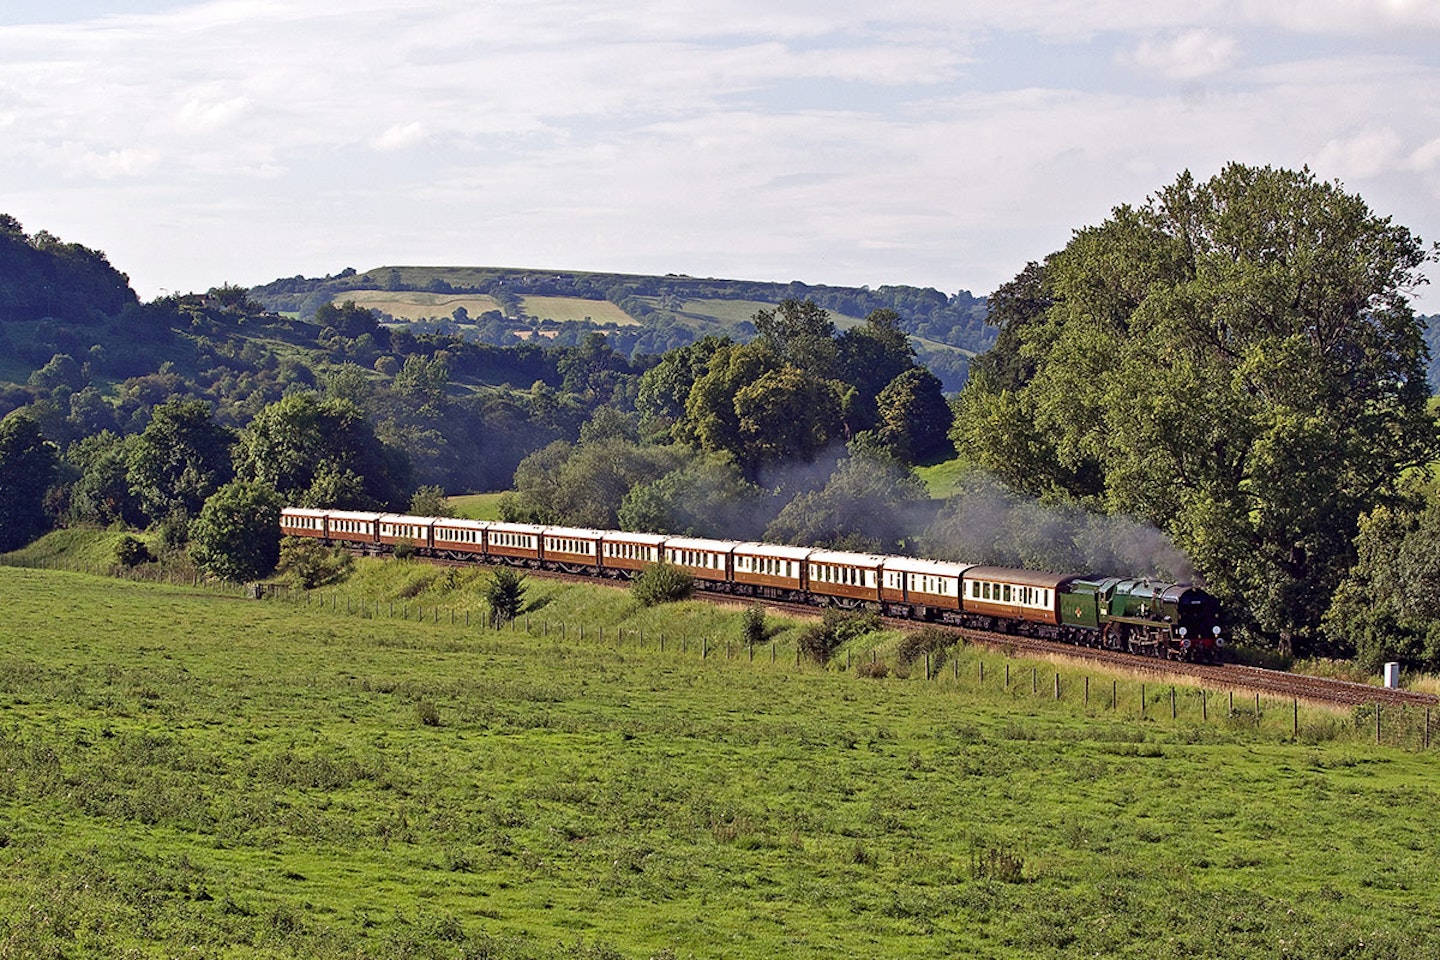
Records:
x=1181, y=631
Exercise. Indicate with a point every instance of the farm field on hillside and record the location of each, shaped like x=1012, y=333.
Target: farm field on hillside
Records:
x=415, y=305
x=184, y=773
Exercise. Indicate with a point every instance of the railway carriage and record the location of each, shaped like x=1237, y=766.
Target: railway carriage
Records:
x=1005, y=593
x=458, y=539
x=303, y=522
x=517, y=544
x=348, y=526
x=844, y=579
x=571, y=549
x=398, y=530
x=922, y=589
x=626, y=554
x=770, y=570
x=707, y=560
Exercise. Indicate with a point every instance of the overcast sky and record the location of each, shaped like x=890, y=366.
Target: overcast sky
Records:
x=931, y=142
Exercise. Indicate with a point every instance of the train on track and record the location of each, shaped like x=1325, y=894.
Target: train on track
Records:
x=1171, y=620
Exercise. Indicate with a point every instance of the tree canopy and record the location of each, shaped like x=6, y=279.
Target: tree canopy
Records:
x=27, y=465
x=1235, y=361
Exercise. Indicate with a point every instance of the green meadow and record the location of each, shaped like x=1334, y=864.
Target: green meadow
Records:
x=367, y=771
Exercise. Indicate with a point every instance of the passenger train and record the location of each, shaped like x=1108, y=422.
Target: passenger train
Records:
x=1172, y=620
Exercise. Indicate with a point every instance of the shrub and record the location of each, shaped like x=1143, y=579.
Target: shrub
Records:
x=931, y=640
x=996, y=863
x=753, y=625
x=405, y=549
x=662, y=583
x=873, y=670
x=817, y=642
x=309, y=563
x=849, y=626
x=427, y=713
x=505, y=593
x=131, y=551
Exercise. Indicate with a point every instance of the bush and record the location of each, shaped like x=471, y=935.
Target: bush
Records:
x=873, y=670
x=131, y=551
x=309, y=563
x=405, y=549
x=662, y=583
x=505, y=593
x=999, y=864
x=819, y=641
x=931, y=640
x=753, y=625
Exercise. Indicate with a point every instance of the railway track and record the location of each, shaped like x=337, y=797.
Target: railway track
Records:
x=1271, y=683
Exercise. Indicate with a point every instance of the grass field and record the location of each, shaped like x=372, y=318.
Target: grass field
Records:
x=183, y=773
x=573, y=308
x=476, y=506
x=942, y=479
x=414, y=305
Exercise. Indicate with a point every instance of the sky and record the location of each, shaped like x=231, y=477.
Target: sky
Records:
x=940, y=143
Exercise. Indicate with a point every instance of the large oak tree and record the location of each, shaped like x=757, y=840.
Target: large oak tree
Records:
x=1236, y=361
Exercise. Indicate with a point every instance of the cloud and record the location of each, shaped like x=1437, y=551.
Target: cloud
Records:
x=1365, y=153
x=940, y=142
x=400, y=136
x=207, y=116
x=1191, y=55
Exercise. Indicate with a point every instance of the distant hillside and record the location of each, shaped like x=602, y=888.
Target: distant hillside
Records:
x=1432, y=340
x=638, y=314
x=42, y=277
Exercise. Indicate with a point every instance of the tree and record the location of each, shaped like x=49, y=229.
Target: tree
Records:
x=27, y=467
x=706, y=497
x=181, y=458
x=321, y=452
x=585, y=484
x=505, y=593
x=665, y=387
x=915, y=418
x=1236, y=361
x=711, y=422
x=871, y=503
x=872, y=355
x=237, y=535
x=102, y=493
x=801, y=332
x=430, y=501
x=1388, y=607
x=786, y=414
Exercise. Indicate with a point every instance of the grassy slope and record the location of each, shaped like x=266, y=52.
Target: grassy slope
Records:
x=415, y=305
x=477, y=506
x=185, y=771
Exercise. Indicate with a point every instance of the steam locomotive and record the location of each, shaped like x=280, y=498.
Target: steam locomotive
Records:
x=1170, y=620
